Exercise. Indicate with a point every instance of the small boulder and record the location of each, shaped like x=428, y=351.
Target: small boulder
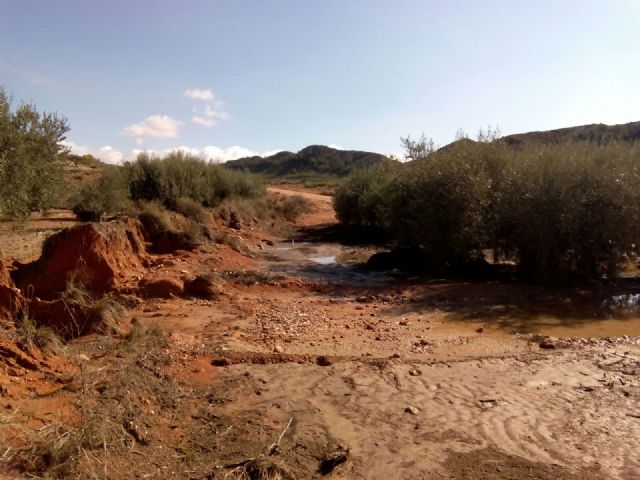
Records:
x=163, y=287
x=323, y=361
x=204, y=286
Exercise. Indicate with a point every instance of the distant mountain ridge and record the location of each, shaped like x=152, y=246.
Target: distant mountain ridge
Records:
x=310, y=162
x=598, y=133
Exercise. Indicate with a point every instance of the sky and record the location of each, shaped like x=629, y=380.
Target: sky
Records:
x=226, y=79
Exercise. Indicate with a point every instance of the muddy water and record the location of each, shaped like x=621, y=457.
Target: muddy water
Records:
x=572, y=327
x=330, y=263
x=327, y=263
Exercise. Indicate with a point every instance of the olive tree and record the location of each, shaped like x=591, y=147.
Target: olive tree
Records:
x=31, y=171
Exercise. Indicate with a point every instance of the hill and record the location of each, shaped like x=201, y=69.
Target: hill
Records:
x=316, y=164
x=599, y=134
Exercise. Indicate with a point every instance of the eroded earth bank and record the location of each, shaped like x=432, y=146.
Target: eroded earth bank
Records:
x=265, y=357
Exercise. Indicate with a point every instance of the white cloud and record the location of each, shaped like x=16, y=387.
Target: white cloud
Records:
x=210, y=115
x=204, y=94
x=107, y=153
x=209, y=153
x=155, y=126
x=337, y=147
x=29, y=75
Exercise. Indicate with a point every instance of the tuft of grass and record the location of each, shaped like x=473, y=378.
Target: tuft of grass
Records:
x=139, y=333
x=192, y=210
x=29, y=333
x=93, y=315
x=55, y=450
x=155, y=218
x=260, y=469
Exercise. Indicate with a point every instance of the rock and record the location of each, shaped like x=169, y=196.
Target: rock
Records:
x=547, y=343
x=11, y=299
x=278, y=349
x=415, y=372
x=220, y=362
x=403, y=322
x=412, y=410
x=410, y=259
x=332, y=460
x=203, y=286
x=137, y=432
x=323, y=361
x=162, y=287
x=479, y=330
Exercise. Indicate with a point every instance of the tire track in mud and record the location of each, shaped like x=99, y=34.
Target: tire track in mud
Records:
x=553, y=410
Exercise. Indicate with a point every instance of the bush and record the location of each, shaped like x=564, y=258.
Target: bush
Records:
x=570, y=213
x=107, y=194
x=564, y=213
x=178, y=181
x=179, y=175
x=360, y=200
x=294, y=206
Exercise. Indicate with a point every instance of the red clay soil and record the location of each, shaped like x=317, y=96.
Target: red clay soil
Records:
x=99, y=256
x=11, y=300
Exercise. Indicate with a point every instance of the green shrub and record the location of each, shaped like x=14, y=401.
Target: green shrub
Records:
x=564, y=213
x=107, y=194
x=570, y=213
x=294, y=206
x=179, y=175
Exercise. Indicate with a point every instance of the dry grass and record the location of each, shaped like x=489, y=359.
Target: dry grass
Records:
x=150, y=334
x=252, y=277
x=260, y=469
x=44, y=338
x=155, y=218
x=192, y=210
x=92, y=314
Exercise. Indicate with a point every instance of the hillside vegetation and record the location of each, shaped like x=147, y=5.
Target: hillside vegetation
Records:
x=313, y=165
x=599, y=134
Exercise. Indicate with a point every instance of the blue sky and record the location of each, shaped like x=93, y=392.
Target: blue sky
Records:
x=226, y=78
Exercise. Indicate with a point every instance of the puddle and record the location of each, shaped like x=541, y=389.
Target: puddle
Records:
x=622, y=302
x=326, y=263
x=324, y=260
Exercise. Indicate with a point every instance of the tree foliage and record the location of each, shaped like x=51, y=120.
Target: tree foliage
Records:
x=564, y=213
x=31, y=172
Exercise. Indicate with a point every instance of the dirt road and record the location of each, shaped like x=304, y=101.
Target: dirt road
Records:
x=302, y=193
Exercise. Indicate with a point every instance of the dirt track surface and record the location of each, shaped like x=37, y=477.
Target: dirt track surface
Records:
x=405, y=378
x=302, y=193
